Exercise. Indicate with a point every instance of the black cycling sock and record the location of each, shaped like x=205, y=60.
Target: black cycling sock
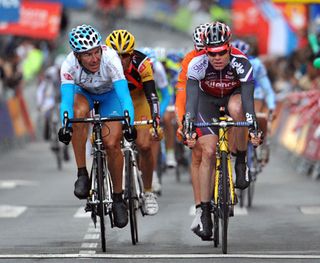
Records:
x=117, y=197
x=241, y=156
x=82, y=171
x=198, y=205
x=205, y=206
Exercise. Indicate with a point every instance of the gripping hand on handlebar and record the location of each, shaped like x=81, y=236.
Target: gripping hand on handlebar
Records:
x=189, y=131
x=255, y=135
x=65, y=133
x=156, y=131
x=130, y=132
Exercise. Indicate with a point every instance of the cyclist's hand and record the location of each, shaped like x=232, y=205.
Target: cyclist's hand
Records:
x=156, y=134
x=65, y=135
x=130, y=134
x=255, y=135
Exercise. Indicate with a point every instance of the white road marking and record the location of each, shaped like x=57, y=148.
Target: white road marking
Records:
x=240, y=211
x=9, y=211
x=10, y=184
x=310, y=210
x=89, y=245
x=85, y=254
x=91, y=236
x=81, y=213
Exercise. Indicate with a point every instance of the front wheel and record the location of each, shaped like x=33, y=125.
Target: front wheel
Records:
x=101, y=195
x=132, y=196
x=224, y=202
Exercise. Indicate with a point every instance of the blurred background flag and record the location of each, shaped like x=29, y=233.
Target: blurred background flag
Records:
x=9, y=10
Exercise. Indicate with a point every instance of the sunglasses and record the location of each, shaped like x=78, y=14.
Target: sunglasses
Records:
x=221, y=53
x=125, y=55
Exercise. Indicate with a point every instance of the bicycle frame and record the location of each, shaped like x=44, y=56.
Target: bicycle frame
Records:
x=223, y=146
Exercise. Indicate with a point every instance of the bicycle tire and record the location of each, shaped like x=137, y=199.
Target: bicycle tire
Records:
x=101, y=207
x=215, y=227
x=132, y=198
x=224, y=203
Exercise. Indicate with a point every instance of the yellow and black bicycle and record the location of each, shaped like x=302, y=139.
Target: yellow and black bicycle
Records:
x=224, y=197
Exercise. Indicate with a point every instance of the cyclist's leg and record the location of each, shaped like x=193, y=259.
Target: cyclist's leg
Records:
x=144, y=144
x=241, y=138
x=169, y=120
x=82, y=105
x=112, y=135
x=208, y=109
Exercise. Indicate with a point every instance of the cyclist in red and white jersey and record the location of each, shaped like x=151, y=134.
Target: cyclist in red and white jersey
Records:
x=221, y=77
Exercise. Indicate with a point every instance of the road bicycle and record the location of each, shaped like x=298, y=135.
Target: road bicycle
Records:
x=254, y=168
x=134, y=188
x=99, y=202
x=224, y=197
x=60, y=151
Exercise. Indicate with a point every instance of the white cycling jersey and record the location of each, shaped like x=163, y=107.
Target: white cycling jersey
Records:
x=160, y=75
x=96, y=83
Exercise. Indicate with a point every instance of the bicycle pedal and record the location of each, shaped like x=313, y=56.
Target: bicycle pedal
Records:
x=88, y=208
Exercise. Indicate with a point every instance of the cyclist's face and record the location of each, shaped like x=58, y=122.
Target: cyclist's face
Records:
x=91, y=59
x=125, y=60
x=219, y=60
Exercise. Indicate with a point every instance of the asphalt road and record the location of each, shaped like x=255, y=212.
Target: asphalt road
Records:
x=40, y=218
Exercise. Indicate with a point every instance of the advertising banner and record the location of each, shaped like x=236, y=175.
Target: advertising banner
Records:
x=77, y=4
x=37, y=20
x=9, y=10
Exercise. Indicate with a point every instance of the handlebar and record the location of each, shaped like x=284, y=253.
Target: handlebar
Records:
x=96, y=119
x=223, y=124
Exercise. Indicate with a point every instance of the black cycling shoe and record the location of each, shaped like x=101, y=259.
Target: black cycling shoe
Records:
x=242, y=176
x=82, y=187
x=204, y=229
x=120, y=213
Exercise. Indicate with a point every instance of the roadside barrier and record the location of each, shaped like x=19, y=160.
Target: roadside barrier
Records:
x=297, y=129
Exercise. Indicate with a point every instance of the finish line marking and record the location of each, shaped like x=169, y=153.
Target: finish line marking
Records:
x=161, y=256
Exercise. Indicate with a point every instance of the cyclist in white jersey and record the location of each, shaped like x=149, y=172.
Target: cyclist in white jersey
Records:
x=264, y=96
x=93, y=72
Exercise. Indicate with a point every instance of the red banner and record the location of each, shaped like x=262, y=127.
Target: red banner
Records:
x=248, y=22
x=37, y=20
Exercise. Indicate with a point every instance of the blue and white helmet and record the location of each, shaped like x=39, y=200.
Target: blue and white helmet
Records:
x=241, y=45
x=83, y=38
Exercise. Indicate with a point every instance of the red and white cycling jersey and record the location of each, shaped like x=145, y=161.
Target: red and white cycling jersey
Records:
x=220, y=83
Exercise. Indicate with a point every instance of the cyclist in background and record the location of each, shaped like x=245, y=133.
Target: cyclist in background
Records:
x=48, y=99
x=264, y=96
x=220, y=77
x=138, y=71
x=161, y=82
x=93, y=72
x=180, y=108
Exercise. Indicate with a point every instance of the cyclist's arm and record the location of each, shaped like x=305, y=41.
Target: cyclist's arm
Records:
x=270, y=95
x=192, y=97
x=247, y=89
x=67, y=100
x=152, y=97
x=122, y=90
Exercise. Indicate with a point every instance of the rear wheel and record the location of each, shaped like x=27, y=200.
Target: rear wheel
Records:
x=132, y=197
x=224, y=203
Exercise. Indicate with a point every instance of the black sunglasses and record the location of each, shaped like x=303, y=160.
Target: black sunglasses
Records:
x=221, y=53
x=125, y=55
